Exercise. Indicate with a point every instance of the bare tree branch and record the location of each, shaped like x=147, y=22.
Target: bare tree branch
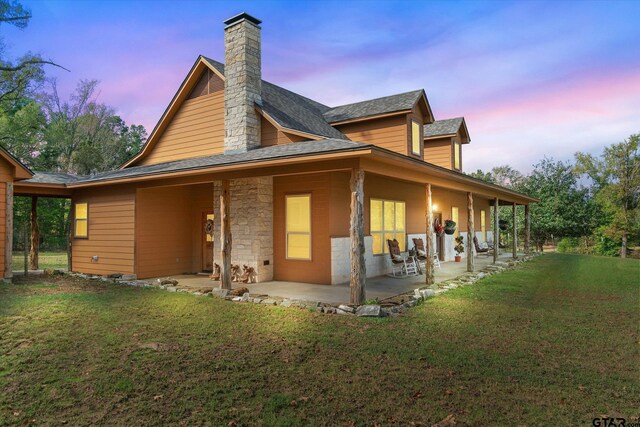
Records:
x=30, y=62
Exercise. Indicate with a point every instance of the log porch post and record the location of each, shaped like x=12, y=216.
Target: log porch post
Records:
x=515, y=232
x=496, y=232
x=471, y=232
x=429, y=265
x=225, y=236
x=8, y=236
x=356, y=233
x=35, y=235
x=527, y=229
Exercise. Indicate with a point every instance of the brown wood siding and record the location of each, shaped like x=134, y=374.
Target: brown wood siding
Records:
x=111, y=231
x=438, y=151
x=201, y=201
x=164, y=231
x=388, y=132
x=271, y=135
x=318, y=270
x=196, y=130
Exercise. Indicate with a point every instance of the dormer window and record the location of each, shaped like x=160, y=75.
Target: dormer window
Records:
x=456, y=156
x=416, y=138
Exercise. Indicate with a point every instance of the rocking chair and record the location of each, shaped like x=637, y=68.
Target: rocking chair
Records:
x=401, y=266
x=421, y=253
x=486, y=250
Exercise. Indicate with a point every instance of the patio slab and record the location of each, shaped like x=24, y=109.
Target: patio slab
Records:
x=377, y=287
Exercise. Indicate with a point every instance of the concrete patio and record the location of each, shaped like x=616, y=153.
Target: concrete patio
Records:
x=380, y=287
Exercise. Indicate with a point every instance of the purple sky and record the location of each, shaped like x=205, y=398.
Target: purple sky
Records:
x=531, y=78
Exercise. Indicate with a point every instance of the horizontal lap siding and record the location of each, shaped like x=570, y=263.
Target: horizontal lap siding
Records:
x=111, y=232
x=318, y=270
x=196, y=130
x=165, y=232
x=390, y=133
x=438, y=152
x=270, y=135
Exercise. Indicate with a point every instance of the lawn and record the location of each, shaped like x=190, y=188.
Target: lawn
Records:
x=554, y=342
x=45, y=260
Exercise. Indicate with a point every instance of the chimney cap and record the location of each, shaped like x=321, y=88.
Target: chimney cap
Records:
x=240, y=17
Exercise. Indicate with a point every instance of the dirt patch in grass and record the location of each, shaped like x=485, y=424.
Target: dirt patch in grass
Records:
x=553, y=340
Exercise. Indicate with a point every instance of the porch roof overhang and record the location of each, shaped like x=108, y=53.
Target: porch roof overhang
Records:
x=295, y=158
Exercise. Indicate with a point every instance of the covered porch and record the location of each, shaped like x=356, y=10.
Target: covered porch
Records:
x=380, y=288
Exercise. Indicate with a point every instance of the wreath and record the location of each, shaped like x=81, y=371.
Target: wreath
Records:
x=208, y=227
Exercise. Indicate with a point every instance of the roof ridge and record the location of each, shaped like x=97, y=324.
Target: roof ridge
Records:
x=377, y=99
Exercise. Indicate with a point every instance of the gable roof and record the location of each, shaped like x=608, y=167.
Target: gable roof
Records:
x=20, y=171
x=374, y=107
x=447, y=127
x=290, y=110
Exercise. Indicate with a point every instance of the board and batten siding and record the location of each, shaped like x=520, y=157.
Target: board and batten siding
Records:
x=196, y=130
x=111, y=231
x=388, y=132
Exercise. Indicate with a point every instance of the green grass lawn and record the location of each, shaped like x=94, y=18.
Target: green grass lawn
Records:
x=554, y=342
x=45, y=260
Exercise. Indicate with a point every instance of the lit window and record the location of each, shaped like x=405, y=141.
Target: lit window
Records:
x=387, y=222
x=456, y=155
x=483, y=225
x=454, y=217
x=415, y=138
x=80, y=217
x=298, y=224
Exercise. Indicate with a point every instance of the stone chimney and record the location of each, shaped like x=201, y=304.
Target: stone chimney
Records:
x=242, y=84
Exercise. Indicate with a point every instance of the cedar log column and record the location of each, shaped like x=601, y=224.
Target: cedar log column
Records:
x=429, y=265
x=8, y=235
x=527, y=229
x=225, y=236
x=356, y=233
x=471, y=232
x=515, y=232
x=35, y=235
x=496, y=232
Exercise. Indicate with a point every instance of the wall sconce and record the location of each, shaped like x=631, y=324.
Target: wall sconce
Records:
x=434, y=206
x=95, y=258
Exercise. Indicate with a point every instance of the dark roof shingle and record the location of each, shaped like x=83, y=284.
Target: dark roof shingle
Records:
x=373, y=107
x=443, y=127
x=290, y=110
x=297, y=149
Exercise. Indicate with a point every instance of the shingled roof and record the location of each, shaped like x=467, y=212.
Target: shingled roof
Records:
x=290, y=110
x=373, y=107
x=444, y=127
x=298, y=149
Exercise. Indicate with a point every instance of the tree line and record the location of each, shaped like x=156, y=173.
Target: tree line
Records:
x=587, y=205
x=78, y=135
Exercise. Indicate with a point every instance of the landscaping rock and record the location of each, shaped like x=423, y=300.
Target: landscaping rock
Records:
x=245, y=297
x=344, y=312
x=268, y=301
x=238, y=292
x=427, y=293
x=217, y=292
x=169, y=282
x=128, y=277
x=172, y=289
x=346, y=308
x=369, y=311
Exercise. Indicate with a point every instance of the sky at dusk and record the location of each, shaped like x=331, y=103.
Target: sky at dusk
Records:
x=532, y=78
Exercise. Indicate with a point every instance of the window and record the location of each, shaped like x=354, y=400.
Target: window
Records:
x=387, y=221
x=454, y=217
x=81, y=215
x=483, y=225
x=298, y=226
x=415, y=138
x=456, y=155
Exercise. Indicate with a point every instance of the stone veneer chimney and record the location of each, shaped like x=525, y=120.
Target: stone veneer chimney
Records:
x=242, y=84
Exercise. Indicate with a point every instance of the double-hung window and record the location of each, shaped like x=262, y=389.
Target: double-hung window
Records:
x=387, y=222
x=81, y=220
x=483, y=225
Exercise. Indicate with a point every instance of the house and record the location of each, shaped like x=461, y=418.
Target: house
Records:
x=298, y=190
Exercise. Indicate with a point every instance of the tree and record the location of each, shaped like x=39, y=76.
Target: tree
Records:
x=616, y=178
x=564, y=209
x=504, y=175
